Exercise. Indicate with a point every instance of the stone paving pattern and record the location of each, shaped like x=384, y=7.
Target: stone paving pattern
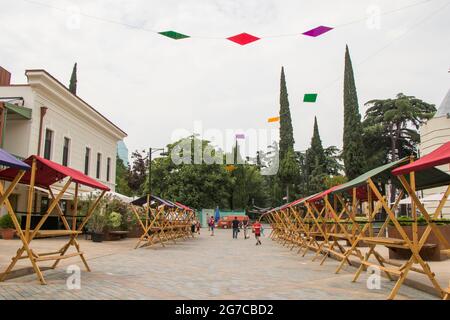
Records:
x=206, y=267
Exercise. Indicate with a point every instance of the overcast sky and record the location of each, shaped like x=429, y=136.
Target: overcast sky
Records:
x=152, y=86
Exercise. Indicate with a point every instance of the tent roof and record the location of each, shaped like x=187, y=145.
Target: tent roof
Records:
x=437, y=157
x=426, y=179
x=183, y=206
x=143, y=200
x=49, y=172
x=321, y=195
x=8, y=160
x=382, y=172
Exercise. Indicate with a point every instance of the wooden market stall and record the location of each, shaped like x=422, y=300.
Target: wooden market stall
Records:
x=161, y=220
x=440, y=156
x=44, y=174
x=368, y=188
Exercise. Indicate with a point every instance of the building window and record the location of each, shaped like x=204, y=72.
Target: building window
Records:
x=44, y=204
x=65, y=159
x=99, y=161
x=86, y=161
x=48, y=144
x=14, y=200
x=108, y=168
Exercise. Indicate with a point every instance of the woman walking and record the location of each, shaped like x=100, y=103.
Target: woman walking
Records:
x=212, y=224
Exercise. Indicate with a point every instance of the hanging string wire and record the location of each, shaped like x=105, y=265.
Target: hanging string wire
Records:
x=135, y=27
x=380, y=50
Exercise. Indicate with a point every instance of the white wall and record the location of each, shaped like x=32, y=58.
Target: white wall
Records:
x=433, y=134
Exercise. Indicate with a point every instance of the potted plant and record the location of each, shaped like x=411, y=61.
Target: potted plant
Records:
x=7, y=227
x=114, y=224
x=97, y=225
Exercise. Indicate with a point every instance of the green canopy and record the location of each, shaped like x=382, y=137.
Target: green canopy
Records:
x=17, y=112
x=425, y=179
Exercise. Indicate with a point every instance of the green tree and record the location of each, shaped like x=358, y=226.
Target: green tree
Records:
x=122, y=175
x=289, y=171
x=196, y=185
x=353, y=148
x=333, y=160
x=397, y=121
x=376, y=145
x=332, y=181
x=316, y=162
x=138, y=173
x=73, y=80
x=286, y=130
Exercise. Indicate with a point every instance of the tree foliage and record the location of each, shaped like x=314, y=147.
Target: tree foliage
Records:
x=353, y=148
x=73, y=80
x=391, y=126
x=286, y=130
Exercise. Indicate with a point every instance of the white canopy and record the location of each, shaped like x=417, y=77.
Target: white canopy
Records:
x=69, y=194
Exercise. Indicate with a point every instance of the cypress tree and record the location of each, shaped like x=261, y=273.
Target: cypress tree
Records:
x=353, y=147
x=316, y=162
x=286, y=131
x=316, y=146
x=73, y=80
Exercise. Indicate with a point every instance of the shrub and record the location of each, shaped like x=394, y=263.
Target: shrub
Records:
x=6, y=222
x=114, y=220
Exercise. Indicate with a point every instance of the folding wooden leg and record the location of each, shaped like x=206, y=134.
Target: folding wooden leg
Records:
x=25, y=247
x=401, y=279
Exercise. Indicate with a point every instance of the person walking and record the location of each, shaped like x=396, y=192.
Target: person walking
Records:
x=245, y=227
x=193, y=226
x=257, y=229
x=208, y=219
x=212, y=224
x=198, y=227
x=235, y=225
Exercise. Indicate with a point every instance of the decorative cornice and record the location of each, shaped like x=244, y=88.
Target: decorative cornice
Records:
x=42, y=81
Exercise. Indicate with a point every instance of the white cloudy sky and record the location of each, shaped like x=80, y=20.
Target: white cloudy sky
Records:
x=151, y=86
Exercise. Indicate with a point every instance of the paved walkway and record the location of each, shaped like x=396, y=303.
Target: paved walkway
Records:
x=203, y=268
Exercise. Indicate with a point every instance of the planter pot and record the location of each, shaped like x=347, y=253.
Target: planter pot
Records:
x=8, y=234
x=428, y=254
x=97, y=237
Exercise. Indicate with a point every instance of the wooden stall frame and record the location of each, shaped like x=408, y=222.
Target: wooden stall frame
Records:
x=26, y=236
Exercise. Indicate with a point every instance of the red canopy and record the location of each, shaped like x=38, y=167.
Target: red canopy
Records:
x=438, y=157
x=49, y=172
x=321, y=195
x=184, y=207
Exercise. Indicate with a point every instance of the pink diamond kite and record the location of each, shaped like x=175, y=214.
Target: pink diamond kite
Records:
x=243, y=38
x=317, y=31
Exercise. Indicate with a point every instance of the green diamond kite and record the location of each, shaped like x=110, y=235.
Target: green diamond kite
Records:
x=310, y=97
x=173, y=35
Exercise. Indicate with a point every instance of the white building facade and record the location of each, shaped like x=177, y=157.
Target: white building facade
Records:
x=62, y=128
x=433, y=134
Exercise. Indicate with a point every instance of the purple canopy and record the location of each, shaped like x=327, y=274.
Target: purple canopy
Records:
x=10, y=161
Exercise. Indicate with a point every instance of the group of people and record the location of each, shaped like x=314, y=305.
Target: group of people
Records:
x=256, y=228
x=236, y=225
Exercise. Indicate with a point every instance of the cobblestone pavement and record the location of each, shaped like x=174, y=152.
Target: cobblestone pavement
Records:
x=207, y=267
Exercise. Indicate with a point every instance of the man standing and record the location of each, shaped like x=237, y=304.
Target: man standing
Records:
x=235, y=225
x=257, y=229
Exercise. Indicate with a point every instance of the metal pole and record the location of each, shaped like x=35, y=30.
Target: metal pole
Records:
x=150, y=171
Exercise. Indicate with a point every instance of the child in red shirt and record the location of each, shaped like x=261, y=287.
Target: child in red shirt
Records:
x=257, y=230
